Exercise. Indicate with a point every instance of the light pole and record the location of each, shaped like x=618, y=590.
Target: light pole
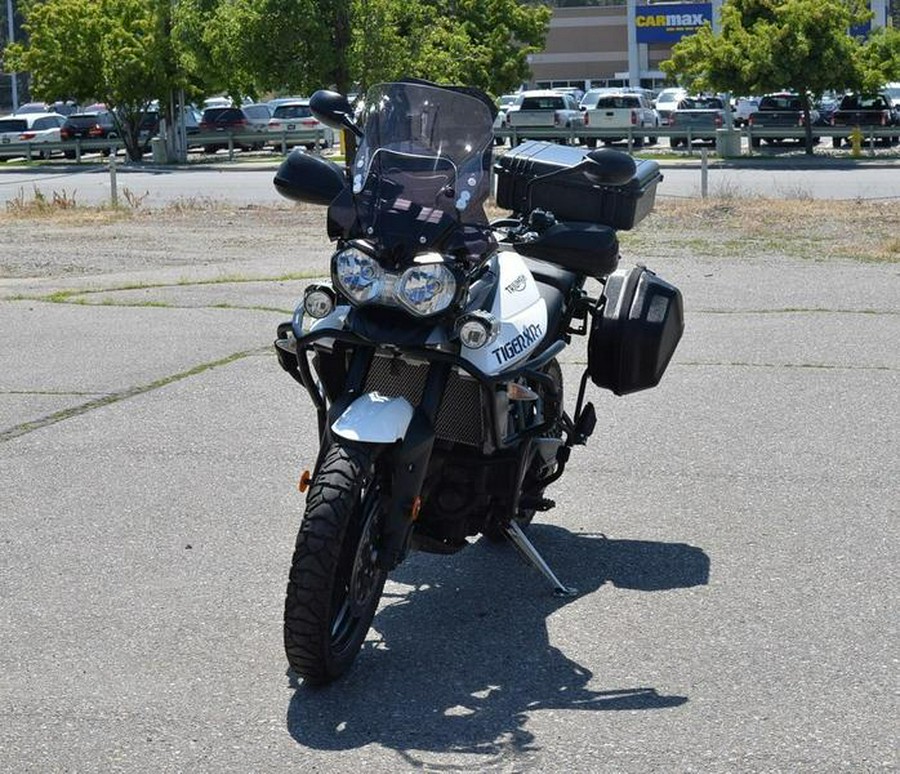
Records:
x=12, y=37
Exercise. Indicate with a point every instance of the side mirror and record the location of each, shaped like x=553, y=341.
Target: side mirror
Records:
x=306, y=178
x=606, y=166
x=333, y=110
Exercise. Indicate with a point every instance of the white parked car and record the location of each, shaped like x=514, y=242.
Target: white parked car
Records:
x=295, y=116
x=666, y=102
x=28, y=128
x=744, y=107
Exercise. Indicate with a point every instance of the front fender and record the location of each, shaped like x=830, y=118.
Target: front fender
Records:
x=374, y=418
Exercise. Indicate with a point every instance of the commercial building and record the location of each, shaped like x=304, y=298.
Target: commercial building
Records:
x=622, y=42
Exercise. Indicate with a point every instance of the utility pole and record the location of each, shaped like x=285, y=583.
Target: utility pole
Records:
x=12, y=39
x=634, y=65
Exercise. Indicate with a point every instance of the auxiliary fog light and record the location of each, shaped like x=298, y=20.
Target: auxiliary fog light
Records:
x=318, y=301
x=477, y=329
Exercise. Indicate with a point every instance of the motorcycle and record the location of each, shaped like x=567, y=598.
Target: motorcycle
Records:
x=431, y=356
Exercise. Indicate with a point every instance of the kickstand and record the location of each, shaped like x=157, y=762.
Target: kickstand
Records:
x=523, y=544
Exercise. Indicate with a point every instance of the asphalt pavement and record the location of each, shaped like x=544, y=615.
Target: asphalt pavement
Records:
x=733, y=535
x=249, y=180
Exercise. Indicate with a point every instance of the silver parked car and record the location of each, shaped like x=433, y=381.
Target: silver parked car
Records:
x=295, y=116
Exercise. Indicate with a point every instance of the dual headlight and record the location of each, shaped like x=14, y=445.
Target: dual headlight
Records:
x=426, y=288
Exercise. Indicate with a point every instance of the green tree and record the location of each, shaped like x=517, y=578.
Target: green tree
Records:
x=112, y=51
x=880, y=58
x=767, y=45
x=496, y=38
x=301, y=45
x=128, y=53
x=482, y=43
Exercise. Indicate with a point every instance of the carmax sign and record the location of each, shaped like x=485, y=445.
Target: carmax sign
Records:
x=669, y=23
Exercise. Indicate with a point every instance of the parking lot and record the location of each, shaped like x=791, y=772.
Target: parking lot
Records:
x=733, y=534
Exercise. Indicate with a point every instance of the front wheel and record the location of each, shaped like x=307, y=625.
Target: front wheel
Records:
x=334, y=583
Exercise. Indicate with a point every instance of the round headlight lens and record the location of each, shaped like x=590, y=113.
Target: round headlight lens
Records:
x=358, y=275
x=426, y=289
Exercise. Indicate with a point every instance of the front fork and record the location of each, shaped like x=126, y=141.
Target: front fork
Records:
x=402, y=464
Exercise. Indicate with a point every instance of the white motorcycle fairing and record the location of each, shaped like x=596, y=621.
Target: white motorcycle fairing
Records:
x=374, y=418
x=522, y=314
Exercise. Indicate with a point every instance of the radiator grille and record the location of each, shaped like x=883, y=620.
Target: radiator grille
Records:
x=460, y=417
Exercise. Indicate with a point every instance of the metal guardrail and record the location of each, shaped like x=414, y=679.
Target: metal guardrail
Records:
x=281, y=141
x=629, y=135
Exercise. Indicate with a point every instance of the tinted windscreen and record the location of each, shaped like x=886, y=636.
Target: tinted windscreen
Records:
x=83, y=121
x=700, y=103
x=856, y=102
x=13, y=125
x=543, y=103
x=222, y=115
x=614, y=103
x=780, y=103
x=292, y=111
x=51, y=122
x=422, y=170
x=258, y=111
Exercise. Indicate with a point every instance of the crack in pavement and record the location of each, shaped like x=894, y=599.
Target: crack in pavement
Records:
x=115, y=397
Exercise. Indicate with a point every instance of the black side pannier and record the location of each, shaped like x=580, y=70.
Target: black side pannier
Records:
x=635, y=331
x=544, y=175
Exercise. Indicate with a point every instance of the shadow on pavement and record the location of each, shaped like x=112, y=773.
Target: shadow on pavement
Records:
x=464, y=655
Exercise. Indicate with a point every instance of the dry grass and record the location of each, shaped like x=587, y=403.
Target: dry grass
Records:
x=723, y=225
x=814, y=229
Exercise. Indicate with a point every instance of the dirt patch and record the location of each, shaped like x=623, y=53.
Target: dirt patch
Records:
x=74, y=242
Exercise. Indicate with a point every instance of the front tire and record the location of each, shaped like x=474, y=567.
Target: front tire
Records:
x=334, y=585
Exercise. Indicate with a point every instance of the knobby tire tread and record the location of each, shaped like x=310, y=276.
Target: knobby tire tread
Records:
x=333, y=496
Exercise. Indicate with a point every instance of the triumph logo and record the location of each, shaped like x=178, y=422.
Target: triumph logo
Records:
x=517, y=285
x=530, y=334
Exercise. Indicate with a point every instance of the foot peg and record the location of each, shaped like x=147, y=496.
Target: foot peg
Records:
x=532, y=503
x=530, y=553
x=587, y=421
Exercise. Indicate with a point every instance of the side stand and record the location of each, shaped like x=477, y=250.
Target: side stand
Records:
x=530, y=553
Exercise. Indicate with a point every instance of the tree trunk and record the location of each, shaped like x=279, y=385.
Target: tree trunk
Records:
x=341, y=39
